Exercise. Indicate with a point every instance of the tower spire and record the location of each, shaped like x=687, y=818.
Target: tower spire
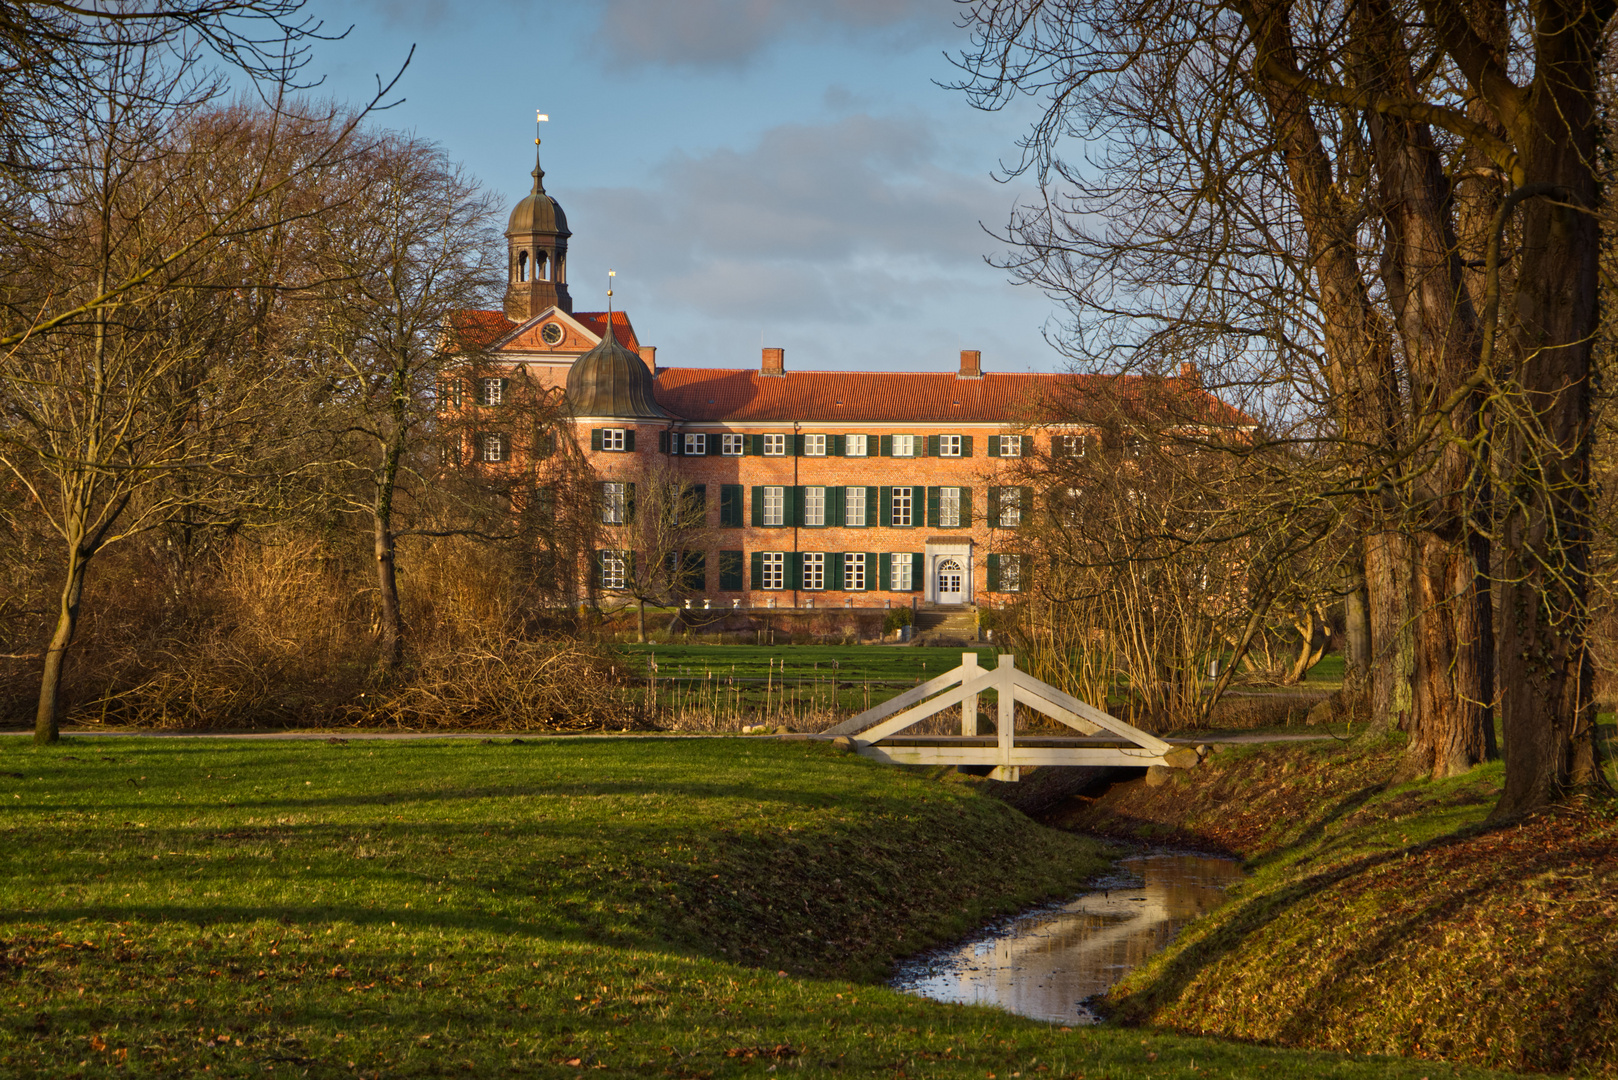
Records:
x=536, y=239
x=539, y=173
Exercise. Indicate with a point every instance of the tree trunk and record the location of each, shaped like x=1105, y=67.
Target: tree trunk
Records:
x=1387, y=576
x=387, y=585
x=1452, y=708
x=1545, y=671
x=640, y=618
x=48, y=717
x=1357, y=624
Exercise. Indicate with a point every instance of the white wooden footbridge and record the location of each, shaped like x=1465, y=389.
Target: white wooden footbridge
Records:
x=1102, y=739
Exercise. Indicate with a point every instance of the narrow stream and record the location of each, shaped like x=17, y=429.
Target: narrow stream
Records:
x=1047, y=963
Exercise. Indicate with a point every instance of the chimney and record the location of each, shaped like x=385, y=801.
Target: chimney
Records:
x=775, y=363
x=971, y=364
x=1188, y=372
x=648, y=355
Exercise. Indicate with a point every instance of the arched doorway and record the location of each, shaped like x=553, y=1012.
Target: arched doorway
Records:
x=951, y=582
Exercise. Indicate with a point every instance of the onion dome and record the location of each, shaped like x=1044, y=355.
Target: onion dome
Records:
x=609, y=380
x=538, y=212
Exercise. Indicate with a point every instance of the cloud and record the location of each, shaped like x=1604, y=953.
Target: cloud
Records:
x=853, y=219
x=729, y=33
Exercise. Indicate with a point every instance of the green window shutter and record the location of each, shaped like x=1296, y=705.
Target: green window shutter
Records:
x=758, y=444
x=792, y=507
x=916, y=584
x=595, y=439
x=994, y=508
x=885, y=573
x=873, y=501
x=834, y=445
x=886, y=445
x=797, y=445
x=699, y=506
x=994, y=573
x=921, y=447
x=884, y=506
x=600, y=579
x=505, y=390
x=758, y=569
x=834, y=572
x=1027, y=445
x=545, y=504
x=731, y=578
x=873, y=572
x=932, y=446
x=758, y=508
x=716, y=445
x=1025, y=499
x=1056, y=446
x=794, y=569
x=663, y=442
x=966, y=508
x=966, y=445
x=730, y=505
x=629, y=503
x=694, y=574
x=994, y=446
x=629, y=439
x=834, y=506
x=932, y=508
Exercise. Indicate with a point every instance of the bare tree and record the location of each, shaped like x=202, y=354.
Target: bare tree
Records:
x=657, y=523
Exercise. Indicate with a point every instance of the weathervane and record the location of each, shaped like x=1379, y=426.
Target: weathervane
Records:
x=539, y=173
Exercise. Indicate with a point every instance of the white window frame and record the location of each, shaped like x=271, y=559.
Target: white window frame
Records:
x=614, y=502
x=775, y=506
x=1009, y=513
x=814, y=571
x=949, y=508
x=899, y=568
x=775, y=570
x=814, y=445
x=854, y=497
x=854, y=571
x=1011, y=446
x=614, y=438
x=1070, y=505
x=775, y=446
x=1075, y=446
x=949, y=446
x=909, y=504
x=732, y=445
x=1011, y=573
x=696, y=445
x=493, y=447
x=856, y=446
x=614, y=570
x=814, y=507
x=491, y=390
x=908, y=442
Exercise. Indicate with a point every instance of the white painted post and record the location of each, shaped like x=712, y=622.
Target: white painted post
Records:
x=1006, y=721
x=969, y=707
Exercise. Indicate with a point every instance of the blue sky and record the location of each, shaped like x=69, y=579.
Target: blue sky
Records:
x=774, y=171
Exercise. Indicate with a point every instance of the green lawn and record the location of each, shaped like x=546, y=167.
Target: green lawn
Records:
x=689, y=908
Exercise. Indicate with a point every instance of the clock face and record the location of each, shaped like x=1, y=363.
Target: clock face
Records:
x=551, y=333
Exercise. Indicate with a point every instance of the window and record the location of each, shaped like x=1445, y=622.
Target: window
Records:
x=775, y=446
x=949, y=508
x=814, y=506
x=903, y=505
x=854, y=570
x=1009, y=512
x=854, y=446
x=854, y=506
x=814, y=570
x=731, y=445
x=1005, y=573
x=730, y=506
x=614, y=503
x=1071, y=445
x=491, y=391
x=696, y=445
x=1070, y=506
x=775, y=570
x=775, y=506
x=1011, y=446
x=904, y=446
x=494, y=447
x=613, y=438
x=949, y=446
x=731, y=578
x=814, y=446
x=901, y=564
x=614, y=570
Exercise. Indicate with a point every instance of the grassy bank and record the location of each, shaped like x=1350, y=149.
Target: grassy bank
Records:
x=688, y=908
x=1381, y=917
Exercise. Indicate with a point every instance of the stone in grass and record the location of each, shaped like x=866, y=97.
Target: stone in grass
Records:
x=844, y=744
x=1181, y=757
x=1158, y=775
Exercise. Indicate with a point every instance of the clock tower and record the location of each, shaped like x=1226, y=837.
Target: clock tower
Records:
x=536, y=242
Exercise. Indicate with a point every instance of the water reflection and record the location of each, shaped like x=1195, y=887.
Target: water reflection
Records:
x=1046, y=964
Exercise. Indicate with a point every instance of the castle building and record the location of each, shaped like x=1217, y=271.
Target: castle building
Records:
x=817, y=488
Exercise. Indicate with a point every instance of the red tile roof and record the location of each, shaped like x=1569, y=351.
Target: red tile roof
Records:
x=479, y=329
x=596, y=321
x=742, y=395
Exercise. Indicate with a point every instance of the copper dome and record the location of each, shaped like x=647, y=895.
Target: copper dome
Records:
x=609, y=380
x=538, y=212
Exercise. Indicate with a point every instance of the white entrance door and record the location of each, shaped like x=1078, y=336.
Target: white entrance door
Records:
x=950, y=578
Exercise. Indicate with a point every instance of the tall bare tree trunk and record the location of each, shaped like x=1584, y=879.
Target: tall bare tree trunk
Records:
x=48, y=718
